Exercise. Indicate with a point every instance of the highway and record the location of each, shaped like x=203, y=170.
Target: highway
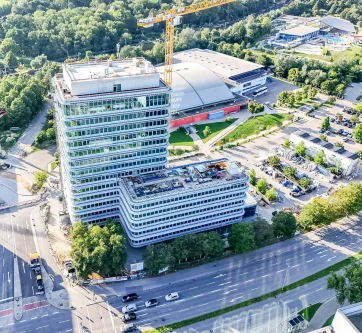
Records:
x=216, y=285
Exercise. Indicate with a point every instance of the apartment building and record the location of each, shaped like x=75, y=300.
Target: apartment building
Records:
x=112, y=120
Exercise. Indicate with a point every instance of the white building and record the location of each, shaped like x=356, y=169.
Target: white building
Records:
x=241, y=75
x=347, y=319
x=348, y=161
x=112, y=133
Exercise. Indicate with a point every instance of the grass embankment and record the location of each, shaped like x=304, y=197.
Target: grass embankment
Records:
x=336, y=55
x=254, y=126
x=180, y=138
x=215, y=128
x=309, y=312
x=324, y=272
x=329, y=321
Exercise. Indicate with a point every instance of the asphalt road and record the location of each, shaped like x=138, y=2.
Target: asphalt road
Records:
x=209, y=287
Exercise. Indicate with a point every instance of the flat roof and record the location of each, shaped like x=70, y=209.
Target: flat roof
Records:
x=182, y=178
x=223, y=65
x=99, y=69
x=338, y=150
x=300, y=30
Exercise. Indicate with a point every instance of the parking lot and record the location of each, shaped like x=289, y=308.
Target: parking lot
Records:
x=274, y=88
x=353, y=91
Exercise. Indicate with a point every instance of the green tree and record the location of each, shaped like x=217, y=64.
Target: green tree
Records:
x=9, y=45
x=263, y=232
x=301, y=149
x=316, y=213
x=10, y=59
x=286, y=143
x=358, y=108
x=157, y=257
x=326, y=125
x=252, y=176
x=40, y=137
x=271, y=194
x=357, y=133
x=262, y=186
x=312, y=92
x=304, y=182
x=206, y=131
x=38, y=61
x=298, y=96
x=40, y=177
x=354, y=119
x=320, y=158
x=274, y=161
x=50, y=133
x=293, y=74
x=212, y=244
x=284, y=224
x=348, y=284
x=241, y=237
x=290, y=172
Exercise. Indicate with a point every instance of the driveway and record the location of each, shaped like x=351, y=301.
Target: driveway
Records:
x=353, y=92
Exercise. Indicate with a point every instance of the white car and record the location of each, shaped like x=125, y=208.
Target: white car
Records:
x=129, y=308
x=172, y=297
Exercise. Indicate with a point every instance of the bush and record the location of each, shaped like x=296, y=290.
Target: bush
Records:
x=274, y=161
x=262, y=186
x=41, y=137
x=301, y=149
x=195, y=147
x=255, y=107
x=252, y=176
x=331, y=100
x=40, y=177
x=271, y=194
x=284, y=224
x=304, y=182
x=290, y=172
x=286, y=143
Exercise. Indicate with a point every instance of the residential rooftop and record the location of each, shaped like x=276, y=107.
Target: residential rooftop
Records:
x=182, y=178
x=327, y=145
x=300, y=30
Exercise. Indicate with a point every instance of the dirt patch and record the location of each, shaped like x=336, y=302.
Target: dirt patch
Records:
x=17, y=178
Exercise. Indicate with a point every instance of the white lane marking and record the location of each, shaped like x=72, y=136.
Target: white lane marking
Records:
x=275, y=264
x=143, y=314
x=223, y=284
x=214, y=291
x=289, y=259
x=229, y=291
x=30, y=274
x=6, y=299
x=55, y=312
x=329, y=259
x=193, y=288
x=294, y=266
x=233, y=300
x=243, y=273
x=64, y=321
x=210, y=283
x=324, y=255
x=33, y=318
x=303, y=254
x=322, y=251
x=259, y=269
x=10, y=324
x=146, y=324
x=228, y=278
x=41, y=327
x=249, y=281
x=23, y=267
x=69, y=330
x=265, y=275
x=21, y=321
x=32, y=288
x=141, y=306
x=146, y=309
x=254, y=289
x=219, y=276
x=198, y=296
x=280, y=271
x=3, y=261
x=310, y=260
x=320, y=289
x=46, y=315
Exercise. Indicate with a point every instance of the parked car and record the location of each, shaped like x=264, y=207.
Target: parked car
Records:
x=345, y=139
x=129, y=297
x=129, y=308
x=340, y=131
x=172, y=297
x=311, y=115
x=349, y=135
x=151, y=302
x=128, y=328
x=322, y=130
x=333, y=120
x=328, y=132
x=129, y=316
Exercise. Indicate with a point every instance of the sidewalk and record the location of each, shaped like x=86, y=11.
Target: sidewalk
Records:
x=326, y=310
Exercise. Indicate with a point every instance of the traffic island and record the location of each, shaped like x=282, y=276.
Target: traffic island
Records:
x=18, y=296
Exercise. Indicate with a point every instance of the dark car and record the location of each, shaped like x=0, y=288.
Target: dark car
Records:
x=340, y=131
x=322, y=130
x=130, y=297
x=129, y=328
x=129, y=316
x=311, y=115
x=151, y=302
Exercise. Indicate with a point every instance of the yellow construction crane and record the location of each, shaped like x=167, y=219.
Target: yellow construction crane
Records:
x=173, y=17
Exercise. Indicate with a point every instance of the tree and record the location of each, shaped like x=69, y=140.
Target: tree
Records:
x=9, y=45
x=326, y=125
x=40, y=177
x=354, y=119
x=158, y=256
x=348, y=284
x=339, y=116
x=339, y=144
x=38, y=61
x=290, y=172
x=301, y=149
x=252, y=176
x=298, y=96
x=11, y=60
x=50, y=133
x=255, y=107
x=274, y=161
x=206, y=131
x=40, y=137
x=241, y=237
x=263, y=232
x=293, y=74
x=304, y=182
x=98, y=250
x=312, y=92
x=320, y=158
x=262, y=186
x=316, y=213
x=358, y=108
x=286, y=143
x=271, y=194
x=212, y=244
x=357, y=133
x=284, y=224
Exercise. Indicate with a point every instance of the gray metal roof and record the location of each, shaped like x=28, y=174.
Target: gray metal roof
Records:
x=338, y=23
x=300, y=30
x=223, y=65
x=194, y=85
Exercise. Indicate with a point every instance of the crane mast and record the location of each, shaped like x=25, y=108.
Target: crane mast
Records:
x=173, y=17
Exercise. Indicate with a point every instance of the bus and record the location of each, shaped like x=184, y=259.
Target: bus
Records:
x=260, y=91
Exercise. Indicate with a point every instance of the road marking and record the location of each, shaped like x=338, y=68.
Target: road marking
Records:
x=331, y=258
x=42, y=327
x=55, y=312
x=222, y=284
x=143, y=314
x=210, y=283
x=310, y=260
x=3, y=262
x=221, y=275
x=254, y=289
x=275, y=264
x=193, y=288
x=324, y=255
x=229, y=291
x=214, y=291
x=10, y=324
x=281, y=270
x=259, y=269
x=243, y=273
x=69, y=330
x=294, y=266
x=6, y=299
x=30, y=274
x=89, y=320
x=32, y=288
x=198, y=296
x=141, y=306
x=64, y=321
x=23, y=267
x=303, y=254
x=265, y=275
x=228, y=278
x=21, y=321
x=322, y=251
x=249, y=281
x=33, y=318
x=289, y=259
x=320, y=289
x=233, y=300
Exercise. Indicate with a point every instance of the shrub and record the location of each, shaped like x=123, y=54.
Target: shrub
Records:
x=274, y=161
x=271, y=194
x=262, y=186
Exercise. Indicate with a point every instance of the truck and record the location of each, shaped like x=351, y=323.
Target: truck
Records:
x=39, y=280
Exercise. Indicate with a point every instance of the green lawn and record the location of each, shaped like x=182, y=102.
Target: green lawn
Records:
x=310, y=311
x=329, y=321
x=254, y=126
x=215, y=128
x=180, y=138
x=336, y=55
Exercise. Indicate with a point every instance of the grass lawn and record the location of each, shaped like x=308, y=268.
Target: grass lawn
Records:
x=215, y=128
x=254, y=126
x=310, y=311
x=180, y=138
x=336, y=55
x=329, y=321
